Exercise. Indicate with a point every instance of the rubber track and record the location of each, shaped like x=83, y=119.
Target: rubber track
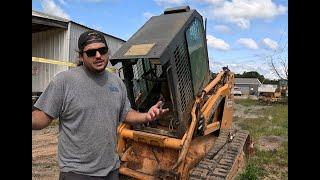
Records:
x=220, y=159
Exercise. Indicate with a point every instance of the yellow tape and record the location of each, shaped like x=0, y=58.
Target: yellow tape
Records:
x=50, y=61
x=65, y=63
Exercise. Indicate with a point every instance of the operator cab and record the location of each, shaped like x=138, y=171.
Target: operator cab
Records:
x=166, y=59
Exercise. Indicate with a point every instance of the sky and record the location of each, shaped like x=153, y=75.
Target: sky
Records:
x=241, y=34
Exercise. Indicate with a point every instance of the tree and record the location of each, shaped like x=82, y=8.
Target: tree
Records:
x=278, y=62
x=279, y=67
x=253, y=74
x=268, y=81
x=250, y=74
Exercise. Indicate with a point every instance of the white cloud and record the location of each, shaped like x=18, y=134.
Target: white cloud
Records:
x=213, y=2
x=240, y=67
x=212, y=66
x=167, y=3
x=248, y=43
x=222, y=29
x=93, y=1
x=63, y=2
x=217, y=43
x=240, y=12
x=271, y=44
x=50, y=7
x=148, y=15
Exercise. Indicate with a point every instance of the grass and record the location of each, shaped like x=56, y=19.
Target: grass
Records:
x=252, y=172
x=245, y=102
x=271, y=121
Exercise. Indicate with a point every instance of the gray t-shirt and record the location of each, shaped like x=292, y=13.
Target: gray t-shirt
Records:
x=89, y=108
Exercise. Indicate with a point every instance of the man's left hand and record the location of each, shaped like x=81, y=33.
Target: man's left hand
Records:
x=156, y=111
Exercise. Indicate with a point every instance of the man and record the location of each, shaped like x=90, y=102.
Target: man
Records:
x=90, y=103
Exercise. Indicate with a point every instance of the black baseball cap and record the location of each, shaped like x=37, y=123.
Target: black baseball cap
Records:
x=89, y=37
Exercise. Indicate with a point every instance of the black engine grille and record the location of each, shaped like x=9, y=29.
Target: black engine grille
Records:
x=184, y=76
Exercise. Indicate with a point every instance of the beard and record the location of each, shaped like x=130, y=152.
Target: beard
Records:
x=96, y=69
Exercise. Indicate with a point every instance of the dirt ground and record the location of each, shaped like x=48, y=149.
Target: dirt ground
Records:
x=242, y=112
x=270, y=143
x=44, y=154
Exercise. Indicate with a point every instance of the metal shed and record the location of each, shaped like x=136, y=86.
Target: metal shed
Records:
x=267, y=88
x=54, y=47
x=247, y=86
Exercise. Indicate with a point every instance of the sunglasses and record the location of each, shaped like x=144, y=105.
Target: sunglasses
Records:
x=93, y=52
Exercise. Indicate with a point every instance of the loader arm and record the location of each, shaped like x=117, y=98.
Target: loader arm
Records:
x=206, y=108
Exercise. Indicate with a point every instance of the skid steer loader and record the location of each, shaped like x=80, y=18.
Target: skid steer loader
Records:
x=167, y=59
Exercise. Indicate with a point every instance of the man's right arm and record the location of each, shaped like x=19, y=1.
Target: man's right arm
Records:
x=49, y=104
x=40, y=120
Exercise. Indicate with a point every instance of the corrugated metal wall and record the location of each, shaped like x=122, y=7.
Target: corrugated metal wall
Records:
x=60, y=44
x=246, y=89
x=243, y=88
x=51, y=44
x=75, y=31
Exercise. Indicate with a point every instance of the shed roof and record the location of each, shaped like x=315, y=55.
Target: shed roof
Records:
x=267, y=88
x=42, y=21
x=247, y=81
x=49, y=16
